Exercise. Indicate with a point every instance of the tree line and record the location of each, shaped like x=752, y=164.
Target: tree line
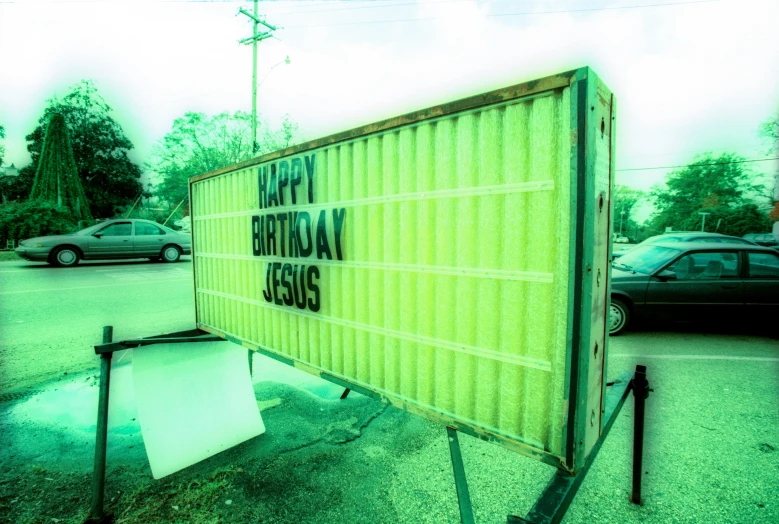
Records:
x=723, y=186
x=106, y=179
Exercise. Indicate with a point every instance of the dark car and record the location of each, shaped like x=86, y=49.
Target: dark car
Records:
x=763, y=239
x=111, y=239
x=674, y=281
x=684, y=236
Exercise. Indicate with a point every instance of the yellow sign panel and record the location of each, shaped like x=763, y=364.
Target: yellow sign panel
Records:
x=439, y=260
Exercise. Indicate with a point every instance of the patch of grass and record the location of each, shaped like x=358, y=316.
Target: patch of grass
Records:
x=194, y=501
x=5, y=256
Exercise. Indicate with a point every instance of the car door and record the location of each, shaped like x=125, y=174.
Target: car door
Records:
x=761, y=285
x=149, y=239
x=113, y=241
x=697, y=286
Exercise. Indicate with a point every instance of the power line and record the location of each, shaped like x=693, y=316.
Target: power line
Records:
x=523, y=13
x=256, y=38
x=703, y=164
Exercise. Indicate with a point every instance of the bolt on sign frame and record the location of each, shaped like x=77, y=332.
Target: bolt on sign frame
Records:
x=452, y=262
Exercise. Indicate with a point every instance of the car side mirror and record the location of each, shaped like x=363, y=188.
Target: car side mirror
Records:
x=666, y=275
x=97, y=235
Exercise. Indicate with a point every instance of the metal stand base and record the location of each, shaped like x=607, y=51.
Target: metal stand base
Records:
x=551, y=506
x=96, y=513
x=641, y=390
x=463, y=495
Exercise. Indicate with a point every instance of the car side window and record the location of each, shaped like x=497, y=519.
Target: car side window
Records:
x=144, y=229
x=763, y=265
x=710, y=240
x=120, y=229
x=706, y=266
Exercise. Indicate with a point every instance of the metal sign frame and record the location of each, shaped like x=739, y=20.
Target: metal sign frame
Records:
x=592, y=144
x=550, y=507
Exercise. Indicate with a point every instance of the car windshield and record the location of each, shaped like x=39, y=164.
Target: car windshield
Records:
x=646, y=259
x=92, y=229
x=89, y=230
x=658, y=238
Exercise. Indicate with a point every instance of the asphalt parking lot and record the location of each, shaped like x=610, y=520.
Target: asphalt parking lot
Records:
x=712, y=436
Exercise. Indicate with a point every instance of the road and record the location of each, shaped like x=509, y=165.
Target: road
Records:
x=712, y=434
x=51, y=317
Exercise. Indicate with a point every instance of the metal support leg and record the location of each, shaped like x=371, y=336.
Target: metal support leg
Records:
x=551, y=506
x=98, y=477
x=640, y=393
x=463, y=496
x=345, y=393
x=249, y=351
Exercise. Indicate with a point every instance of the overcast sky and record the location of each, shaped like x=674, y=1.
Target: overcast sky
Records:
x=689, y=76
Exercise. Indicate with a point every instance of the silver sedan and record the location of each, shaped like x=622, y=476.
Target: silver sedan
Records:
x=112, y=239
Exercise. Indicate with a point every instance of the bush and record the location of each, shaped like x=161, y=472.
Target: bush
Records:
x=34, y=218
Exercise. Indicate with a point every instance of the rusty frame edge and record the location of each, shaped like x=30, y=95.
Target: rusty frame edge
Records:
x=554, y=501
x=438, y=418
x=513, y=92
x=575, y=266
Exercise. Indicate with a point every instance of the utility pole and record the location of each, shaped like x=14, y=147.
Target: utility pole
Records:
x=254, y=39
x=703, y=223
x=621, y=215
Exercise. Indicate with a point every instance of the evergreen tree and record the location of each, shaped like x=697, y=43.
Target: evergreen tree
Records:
x=56, y=179
x=109, y=178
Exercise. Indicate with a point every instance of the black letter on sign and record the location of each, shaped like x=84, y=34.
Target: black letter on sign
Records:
x=281, y=218
x=266, y=293
x=271, y=235
x=313, y=305
x=303, y=216
x=276, y=268
x=262, y=235
x=310, y=172
x=288, y=300
x=338, y=224
x=321, y=238
x=256, y=249
x=283, y=179
x=295, y=176
x=293, y=240
x=262, y=179
x=300, y=295
x=273, y=195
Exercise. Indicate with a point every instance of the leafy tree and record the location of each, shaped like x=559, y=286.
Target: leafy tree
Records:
x=18, y=188
x=738, y=220
x=2, y=147
x=100, y=150
x=769, y=130
x=774, y=213
x=56, y=179
x=33, y=218
x=717, y=185
x=199, y=143
x=625, y=199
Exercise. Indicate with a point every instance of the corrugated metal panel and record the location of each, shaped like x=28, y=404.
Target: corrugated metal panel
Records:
x=452, y=294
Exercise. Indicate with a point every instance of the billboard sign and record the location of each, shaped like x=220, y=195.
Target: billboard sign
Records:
x=452, y=261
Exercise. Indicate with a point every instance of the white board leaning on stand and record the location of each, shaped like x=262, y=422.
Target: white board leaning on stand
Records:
x=194, y=401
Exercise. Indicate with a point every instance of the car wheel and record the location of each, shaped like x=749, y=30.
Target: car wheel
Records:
x=619, y=316
x=65, y=257
x=170, y=254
